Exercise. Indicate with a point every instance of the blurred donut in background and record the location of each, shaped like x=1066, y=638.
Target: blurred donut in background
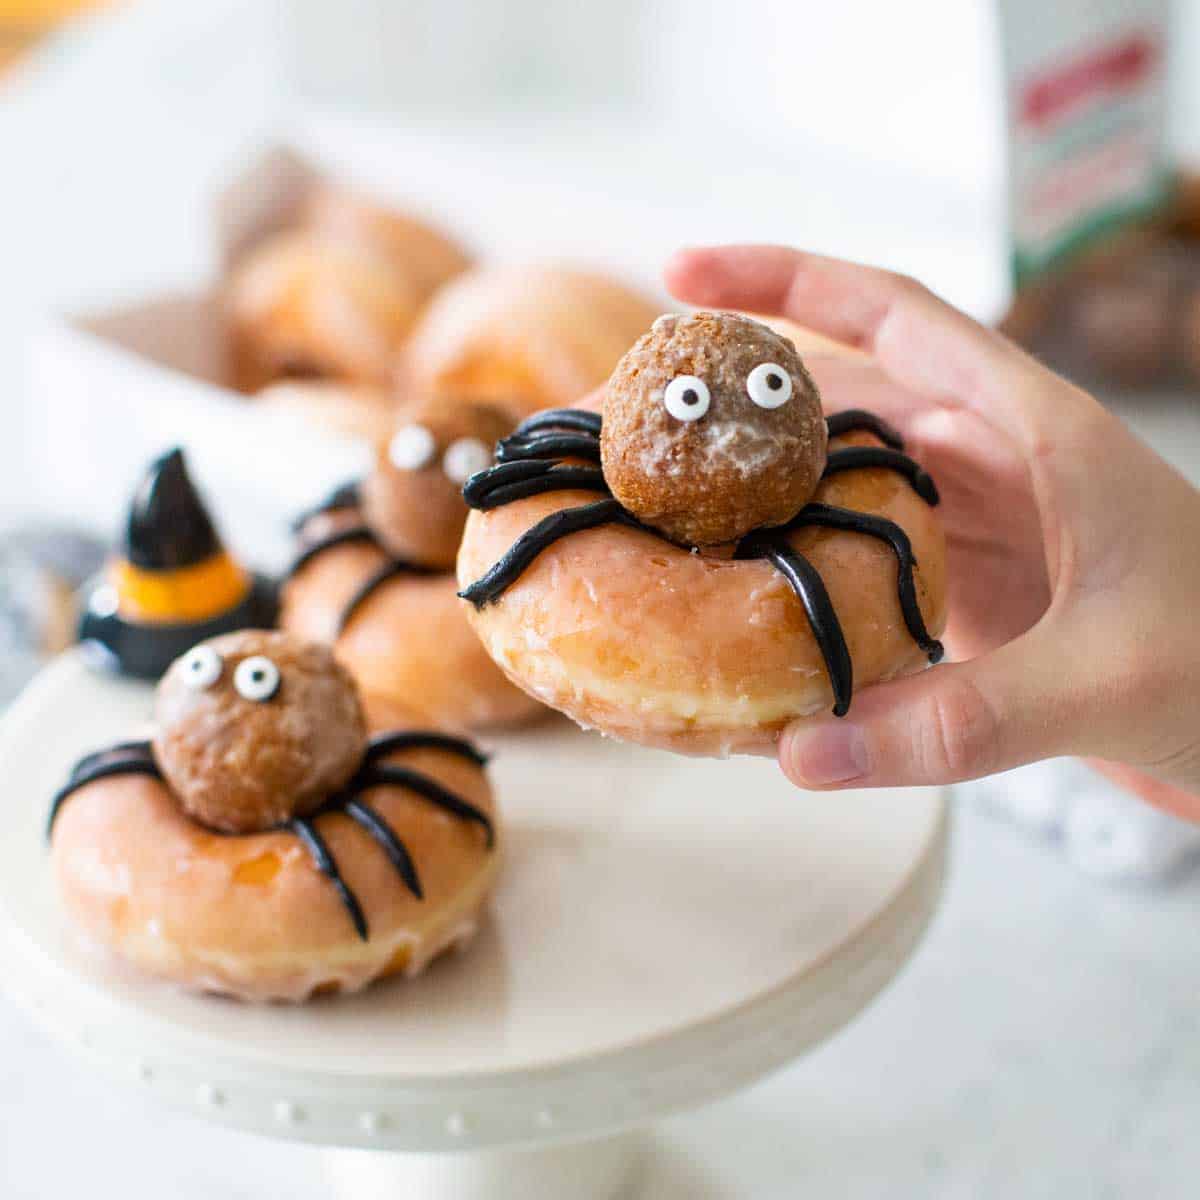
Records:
x=523, y=337
x=428, y=257
x=333, y=293
x=374, y=576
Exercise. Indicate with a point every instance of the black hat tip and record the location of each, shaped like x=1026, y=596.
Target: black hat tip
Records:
x=169, y=525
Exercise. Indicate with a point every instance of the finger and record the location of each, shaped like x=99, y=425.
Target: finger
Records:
x=954, y=722
x=810, y=343
x=849, y=302
x=923, y=343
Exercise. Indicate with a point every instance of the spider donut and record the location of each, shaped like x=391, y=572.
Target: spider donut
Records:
x=272, y=840
x=710, y=558
x=375, y=573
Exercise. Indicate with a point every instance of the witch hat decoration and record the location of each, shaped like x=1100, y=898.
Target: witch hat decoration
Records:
x=171, y=583
x=168, y=524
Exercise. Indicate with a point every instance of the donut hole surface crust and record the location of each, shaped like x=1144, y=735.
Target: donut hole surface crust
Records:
x=738, y=467
x=240, y=765
x=419, y=514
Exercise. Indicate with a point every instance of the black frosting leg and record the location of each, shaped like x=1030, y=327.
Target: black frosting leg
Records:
x=859, y=418
x=429, y=789
x=810, y=590
x=419, y=739
x=477, y=489
x=548, y=445
x=343, y=537
x=133, y=765
x=511, y=481
x=389, y=570
x=534, y=540
x=831, y=517
x=392, y=846
x=346, y=496
x=855, y=457
x=575, y=419
x=125, y=749
x=314, y=843
x=555, y=479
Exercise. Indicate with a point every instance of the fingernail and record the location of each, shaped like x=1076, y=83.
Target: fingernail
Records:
x=831, y=753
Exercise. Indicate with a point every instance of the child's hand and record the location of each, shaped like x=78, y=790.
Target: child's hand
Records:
x=1074, y=550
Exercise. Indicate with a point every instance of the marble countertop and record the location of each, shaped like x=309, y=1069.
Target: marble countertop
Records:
x=1045, y=1041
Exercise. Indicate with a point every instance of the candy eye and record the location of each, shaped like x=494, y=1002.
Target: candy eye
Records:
x=412, y=447
x=464, y=458
x=769, y=385
x=686, y=398
x=201, y=667
x=256, y=678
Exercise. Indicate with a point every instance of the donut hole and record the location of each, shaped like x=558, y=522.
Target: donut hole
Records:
x=239, y=759
x=697, y=442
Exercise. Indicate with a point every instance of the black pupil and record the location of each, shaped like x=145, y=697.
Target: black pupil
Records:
x=258, y=676
x=691, y=396
x=774, y=382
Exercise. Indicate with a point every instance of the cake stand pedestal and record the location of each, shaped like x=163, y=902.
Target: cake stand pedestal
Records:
x=665, y=932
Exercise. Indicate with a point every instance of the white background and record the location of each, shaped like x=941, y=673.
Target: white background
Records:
x=1045, y=1042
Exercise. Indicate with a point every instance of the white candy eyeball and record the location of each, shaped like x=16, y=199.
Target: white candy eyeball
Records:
x=464, y=458
x=201, y=667
x=256, y=678
x=412, y=447
x=687, y=398
x=769, y=385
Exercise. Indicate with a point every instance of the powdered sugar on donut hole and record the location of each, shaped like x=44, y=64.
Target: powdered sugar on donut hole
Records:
x=721, y=445
x=752, y=457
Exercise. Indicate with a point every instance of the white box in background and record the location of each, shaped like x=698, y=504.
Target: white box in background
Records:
x=116, y=389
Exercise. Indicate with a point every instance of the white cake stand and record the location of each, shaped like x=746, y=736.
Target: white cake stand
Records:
x=665, y=932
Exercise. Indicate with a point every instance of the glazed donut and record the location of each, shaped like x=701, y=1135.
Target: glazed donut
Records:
x=332, y=291
x=303, y=304
x=374, y=575
x=524, y=337
x=312, y=893
x=428, y=257
x=605, y=580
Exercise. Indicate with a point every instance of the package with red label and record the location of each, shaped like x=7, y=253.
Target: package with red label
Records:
x=1105, y=256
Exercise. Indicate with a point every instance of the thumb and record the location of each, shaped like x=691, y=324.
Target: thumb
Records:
x=953, y=722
